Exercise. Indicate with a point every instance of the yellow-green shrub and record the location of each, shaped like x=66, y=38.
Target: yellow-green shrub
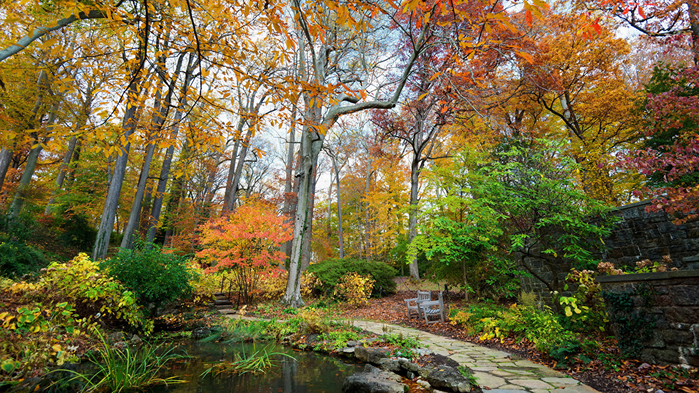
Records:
x=273, y=285
x=315, y=321
x=354, y=288
x=96, y=296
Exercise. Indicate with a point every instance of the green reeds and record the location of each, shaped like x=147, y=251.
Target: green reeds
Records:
x=255, y=362
x=118, y=370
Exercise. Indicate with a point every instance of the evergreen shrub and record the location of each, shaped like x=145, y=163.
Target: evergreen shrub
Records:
x=330, y=272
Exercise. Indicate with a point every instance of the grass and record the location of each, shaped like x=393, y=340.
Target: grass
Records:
x=255, y=362
x=122, y=370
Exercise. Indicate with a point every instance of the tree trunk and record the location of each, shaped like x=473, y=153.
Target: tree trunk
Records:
x=5, y=160
x=227, y=196
x=289, y=181
x=239, y=169
x=311, y=143
x=330, y=210
x=61, y=173
x=82, y=120
x=169, y=153
x=412, y=220
x=367, y=186
x=306, y=257
x=23, y=186
x=129, y=123
x=19, y=198
x=135, y=213
x=339, y=209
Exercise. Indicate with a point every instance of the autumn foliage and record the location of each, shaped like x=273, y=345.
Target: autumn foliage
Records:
x=671, y=155
x=246, y=243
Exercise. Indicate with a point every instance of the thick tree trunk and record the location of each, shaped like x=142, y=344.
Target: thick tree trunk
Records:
x=5, y=161
x=135, y=214
x=129, y=122
x=23, y=186
x=311, y=143
x=30, y=166
x=170, y=152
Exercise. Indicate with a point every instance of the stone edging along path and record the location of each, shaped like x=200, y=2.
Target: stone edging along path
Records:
x=495, y=371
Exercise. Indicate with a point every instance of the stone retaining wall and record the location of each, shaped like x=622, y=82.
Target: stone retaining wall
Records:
x=638, y=235
x=643, y=235
x=668, y=304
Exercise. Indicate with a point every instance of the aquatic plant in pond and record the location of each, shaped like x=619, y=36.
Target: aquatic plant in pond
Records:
x=255, y=361
x=124, y=369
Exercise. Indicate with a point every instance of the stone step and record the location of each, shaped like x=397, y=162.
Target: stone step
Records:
x=227, y=311
x=222, y=301
x=223, y=306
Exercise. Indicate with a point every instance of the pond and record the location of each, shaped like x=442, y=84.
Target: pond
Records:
x=309, y=373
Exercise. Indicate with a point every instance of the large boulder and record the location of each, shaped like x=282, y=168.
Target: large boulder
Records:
x=373, y=380
x=394, y=365
x=448, y=378
x=370, y=355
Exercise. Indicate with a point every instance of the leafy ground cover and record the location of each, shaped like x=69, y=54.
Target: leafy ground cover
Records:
x=595, y=360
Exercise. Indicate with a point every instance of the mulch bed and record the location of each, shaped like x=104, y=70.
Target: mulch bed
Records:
x=629, y=375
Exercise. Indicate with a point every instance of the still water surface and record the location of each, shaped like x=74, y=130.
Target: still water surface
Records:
x=309, y=373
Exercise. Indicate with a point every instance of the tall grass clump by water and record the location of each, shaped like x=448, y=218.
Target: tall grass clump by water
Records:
x=119, y=370
x=254, y=362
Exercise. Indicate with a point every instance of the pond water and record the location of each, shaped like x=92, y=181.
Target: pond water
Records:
x=309, y=373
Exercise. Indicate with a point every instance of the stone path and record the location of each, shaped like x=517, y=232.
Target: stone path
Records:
x=495, y=371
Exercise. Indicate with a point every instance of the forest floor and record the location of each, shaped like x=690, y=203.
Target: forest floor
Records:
x=608, y=374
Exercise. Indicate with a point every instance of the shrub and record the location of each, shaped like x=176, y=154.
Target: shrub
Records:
x=273, y=285
x=331, y=271
x=77, y=232
x=585, y=311
x=18, y=258
x=541, y=327
x=246, y=243
x=155, y=277
x=354, y=288
x=96, y=296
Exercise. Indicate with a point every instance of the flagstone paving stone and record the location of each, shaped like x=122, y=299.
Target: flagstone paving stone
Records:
x=495, y=371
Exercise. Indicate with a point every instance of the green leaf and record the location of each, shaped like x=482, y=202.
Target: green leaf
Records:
x=8, y=366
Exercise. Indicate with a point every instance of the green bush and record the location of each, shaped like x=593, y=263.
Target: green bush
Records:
x=541, y=327
x=76, y=231
x=156, y=278
x=330, y=271
x=18, y=258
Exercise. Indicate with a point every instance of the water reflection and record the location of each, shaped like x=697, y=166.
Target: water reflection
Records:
x=309, y=373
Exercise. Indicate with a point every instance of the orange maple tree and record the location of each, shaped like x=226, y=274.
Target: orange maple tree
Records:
x=246, y=243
